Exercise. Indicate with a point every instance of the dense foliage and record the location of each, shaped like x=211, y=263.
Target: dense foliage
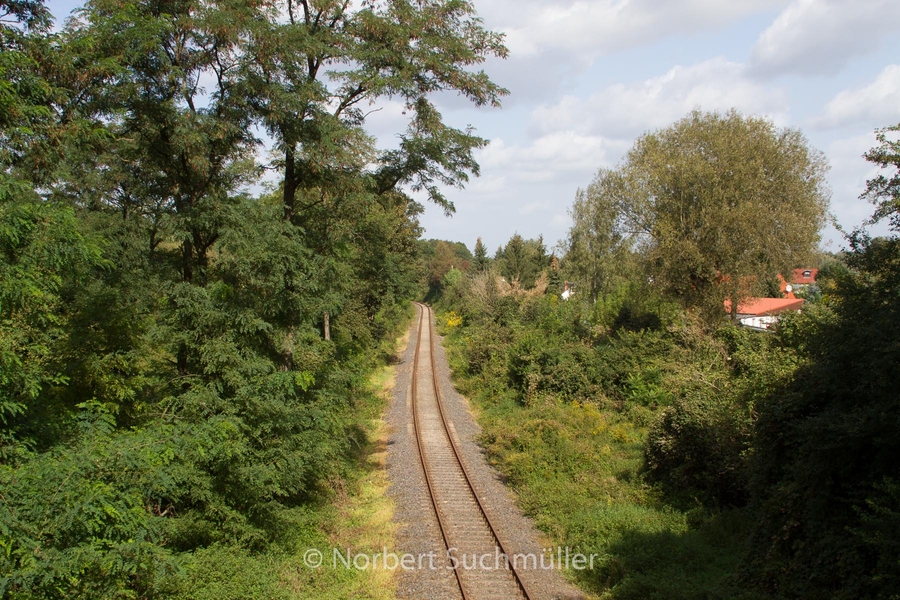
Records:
x=827, y=453
x=718, y=205
x=184, y=360
x=438, y=258
x=622, y=424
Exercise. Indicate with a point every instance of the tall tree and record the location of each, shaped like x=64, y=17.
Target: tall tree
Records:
x=315, y=70
x=721, y=203
x=523, y=260
x=598, y=246
x=481, y=261
x=321, y=67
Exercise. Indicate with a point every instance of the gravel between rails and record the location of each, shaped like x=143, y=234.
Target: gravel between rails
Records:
x=418, y=533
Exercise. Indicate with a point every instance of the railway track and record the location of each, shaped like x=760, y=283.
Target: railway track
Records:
x=474, y=547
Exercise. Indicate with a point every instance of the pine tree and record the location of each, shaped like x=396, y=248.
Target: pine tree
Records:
x=482, y=262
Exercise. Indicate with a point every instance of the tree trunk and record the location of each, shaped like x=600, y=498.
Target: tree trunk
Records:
x=287, y=352
x=201, y=256
x=290, y=183
x=326, y=326
x=187, y=261
x=182, y=364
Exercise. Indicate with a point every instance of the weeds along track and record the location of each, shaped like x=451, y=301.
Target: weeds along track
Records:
x=473, y=545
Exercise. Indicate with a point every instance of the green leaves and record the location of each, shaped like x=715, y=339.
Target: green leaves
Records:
x=180, y=364
x=522, y=261
x=717, y=205
x=43, y=258
x=312, y=75
x=74, y=524
x=883, y=190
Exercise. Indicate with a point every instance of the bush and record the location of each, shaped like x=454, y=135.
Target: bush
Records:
x=827, y=452
x=696, y=450
x=540, y=364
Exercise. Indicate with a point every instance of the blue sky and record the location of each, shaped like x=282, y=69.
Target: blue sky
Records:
x=588, y=77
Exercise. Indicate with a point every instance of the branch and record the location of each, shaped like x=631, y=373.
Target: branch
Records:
x=351, y=99
x=306, y=15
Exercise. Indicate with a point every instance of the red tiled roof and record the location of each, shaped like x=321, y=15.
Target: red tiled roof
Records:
x=797, y=275
x=765, y=306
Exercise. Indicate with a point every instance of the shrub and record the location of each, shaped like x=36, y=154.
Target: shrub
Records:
x=540, y=364
x=696, y=449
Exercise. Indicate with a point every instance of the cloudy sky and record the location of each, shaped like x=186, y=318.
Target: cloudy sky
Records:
x=587, y=77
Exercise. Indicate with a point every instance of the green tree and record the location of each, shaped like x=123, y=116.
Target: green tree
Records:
x=825, y=460
x=24, y=93
x=43, y=259
x=164, y=381
x=884, y=190
x=513, y=263
x=481, y=261
x=718, y=204
x=314, y=70
x=598, y=247
x=523, y=260
x=439, y=257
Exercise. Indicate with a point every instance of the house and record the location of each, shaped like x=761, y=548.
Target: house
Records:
x=803, y=277
x=800, y=279
x=761, y=313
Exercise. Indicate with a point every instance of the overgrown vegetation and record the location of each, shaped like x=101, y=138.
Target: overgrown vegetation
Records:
x=622, y=440
x=696, y=458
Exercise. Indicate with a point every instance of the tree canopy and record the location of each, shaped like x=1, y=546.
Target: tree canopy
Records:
x=716, y=203
x=598, y=247
x=522, y=261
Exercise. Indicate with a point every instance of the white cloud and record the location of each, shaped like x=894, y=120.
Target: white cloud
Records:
x=821, y=36
x=599, y=27
x=528, y=186
x=386, y=120
x=524, y=188
x=848, y=177
x=556, y=156
x=846, y=157
x=551, y=43
x=877, y=104
x=532, y=207
x=562, y=219
x=627, y=110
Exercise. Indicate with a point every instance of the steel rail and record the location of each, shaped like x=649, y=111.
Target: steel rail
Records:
x=415, y=408
x=426, y=312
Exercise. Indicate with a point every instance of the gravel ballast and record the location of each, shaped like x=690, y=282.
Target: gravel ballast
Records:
x=418, y=532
